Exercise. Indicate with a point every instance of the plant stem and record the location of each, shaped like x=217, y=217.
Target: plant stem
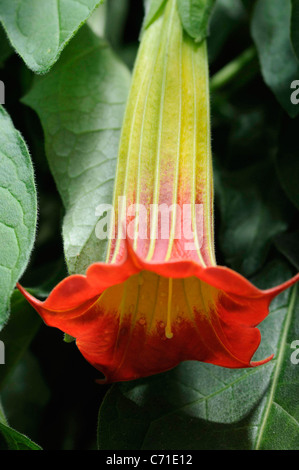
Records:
x=228, y=73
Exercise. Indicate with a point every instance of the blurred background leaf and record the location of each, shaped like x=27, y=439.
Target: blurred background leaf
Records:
x=249, y=216
x=288, y=244
x=227, y=16
x=5, y=48
x=25, y=396
x=295, y=26
x=17, y=334
x=270, y=29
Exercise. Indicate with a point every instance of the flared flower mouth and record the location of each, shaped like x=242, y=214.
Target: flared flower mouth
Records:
x=159, y=300
x=137, y=318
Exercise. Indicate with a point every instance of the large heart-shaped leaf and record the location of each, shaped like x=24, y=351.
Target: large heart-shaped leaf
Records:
x=40, y=29
x=18, y=209
x=81, y=104
x=270, y=29
x=201, y=406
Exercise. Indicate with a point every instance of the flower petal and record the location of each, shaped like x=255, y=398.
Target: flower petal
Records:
x=160, y=300
x=151, y=317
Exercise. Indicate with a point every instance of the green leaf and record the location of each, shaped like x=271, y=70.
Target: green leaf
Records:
x=18, y=209
x=201, y=406
x=17, y=334
x=195, y=16
x=81, y=104
x=40, y=29
x=294, y=26
x=250, y=217
x=97, y=21
x=116, y=28
x=270, y=29
x=154, y=9
x=117, y=14
x=13, y=440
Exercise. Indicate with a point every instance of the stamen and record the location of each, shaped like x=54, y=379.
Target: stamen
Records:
x=168, y=332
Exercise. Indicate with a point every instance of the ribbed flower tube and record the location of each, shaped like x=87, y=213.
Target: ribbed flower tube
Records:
x=165, y=165
x=160, y=298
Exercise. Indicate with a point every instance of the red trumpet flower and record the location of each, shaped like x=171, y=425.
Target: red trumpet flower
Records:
x=160, y=298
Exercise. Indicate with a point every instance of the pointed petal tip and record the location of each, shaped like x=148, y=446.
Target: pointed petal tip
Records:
x=30, y=298
x=274, y=291
x=263, y=361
